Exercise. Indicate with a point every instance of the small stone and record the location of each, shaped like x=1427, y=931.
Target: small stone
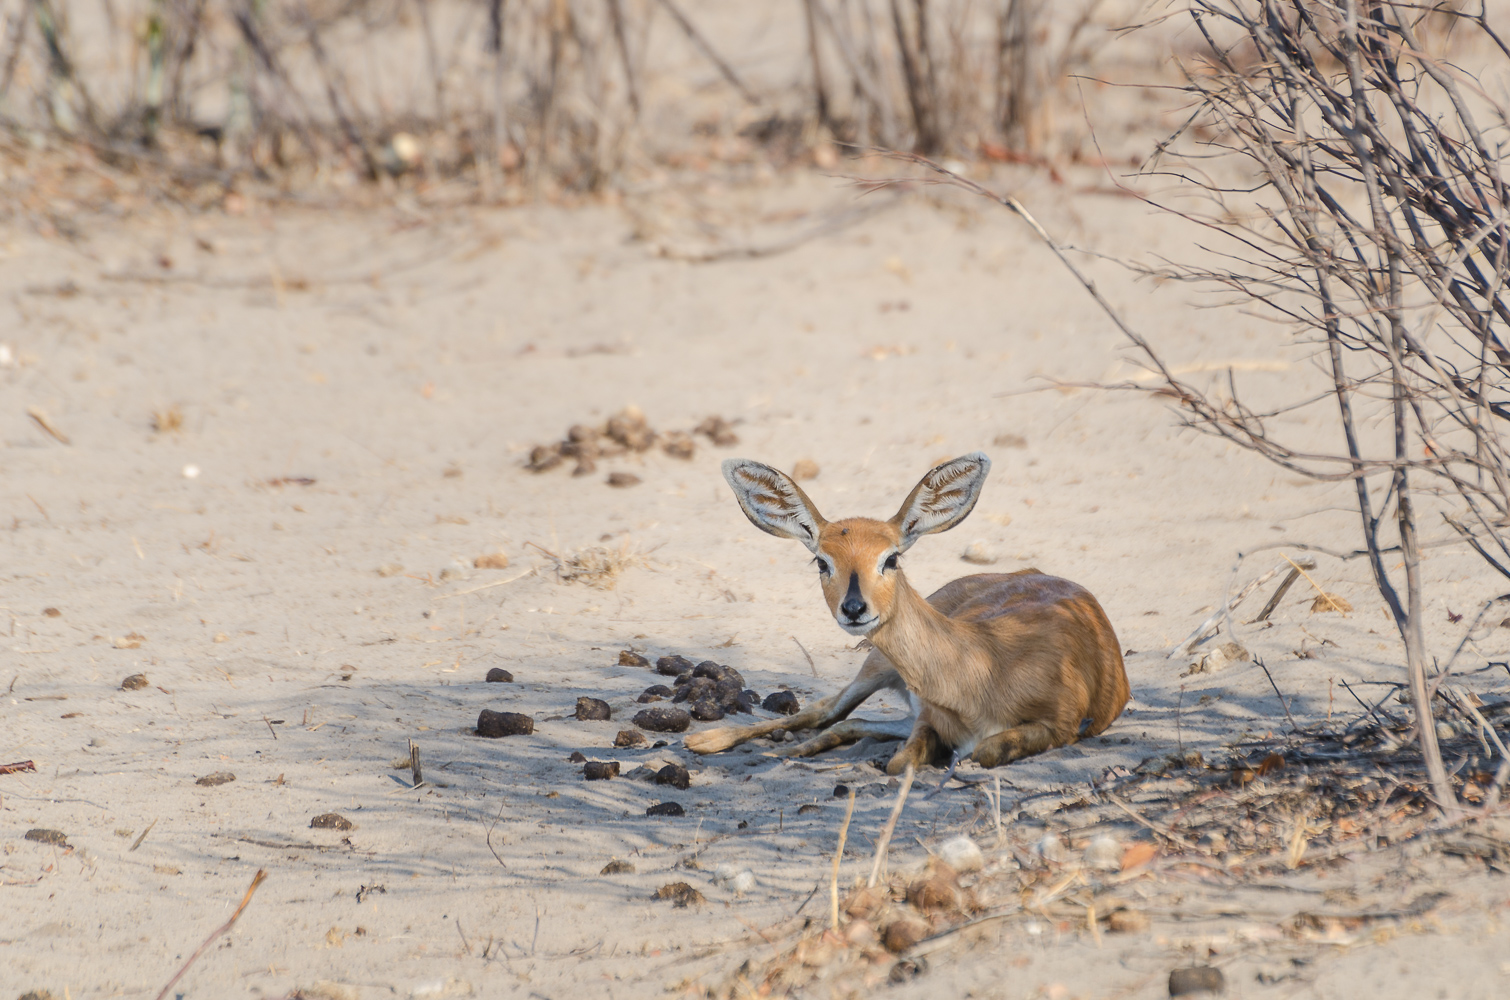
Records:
x=695, y=689
x=620, y=480
x=903, y=933
x=680, y=894
x=496, y=724
x=491, y=560
x=671, y=666
x=674, y=775
x=331, y=821
x=707, y=710
x=498, y=675
x=134, y=683
x=1127, y=921
x=629, y=738
x=600, y=770
x=655, y=692
x=1198, y=979
x=980, y=553
x=666, y=809
x=779, y=735
x=805, y=469
x=1104, y=853
x=962, y=854
x=617, y=867
x=782, y=703
x=1052, y=848
x=808, y=808
x=841, y=791
x=593, y=710
x=218, y=778
x=389, y=569
x=51, y=612
x=663, y=719
x=44, y=836
x=629, y=658
x=577, y=757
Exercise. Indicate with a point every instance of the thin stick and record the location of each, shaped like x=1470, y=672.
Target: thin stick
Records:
x=1293, y=727
x=414, y=767
x=485, y=586
x=489, y=837
x=223, y=928
x=270, y=727
x=1162, y=831
x=833, y=882
x=20, y=765
x=707, y=50
x=138, y=842
x=811, y=666
x=1279, y=592
x=40, y=416
x=891, y=824
x=1329, y=599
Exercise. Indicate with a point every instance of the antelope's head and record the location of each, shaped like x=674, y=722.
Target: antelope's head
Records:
x=858, y=558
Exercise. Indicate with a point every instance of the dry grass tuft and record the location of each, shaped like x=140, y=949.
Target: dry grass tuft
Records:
x=598, y=566
x=167, y=420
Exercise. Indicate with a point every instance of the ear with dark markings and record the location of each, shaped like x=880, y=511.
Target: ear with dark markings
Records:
x=772, y=502
x=942, y=498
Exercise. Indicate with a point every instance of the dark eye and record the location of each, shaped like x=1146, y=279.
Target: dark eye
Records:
x=823, y=569
x=891, y=561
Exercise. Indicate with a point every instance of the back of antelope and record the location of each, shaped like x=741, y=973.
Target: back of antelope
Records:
x=996, y=666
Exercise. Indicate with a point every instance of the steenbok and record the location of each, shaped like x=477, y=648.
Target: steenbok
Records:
x=996, y=666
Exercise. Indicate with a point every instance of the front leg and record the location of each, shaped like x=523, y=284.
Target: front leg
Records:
x=1014, y=744
x=923, y=746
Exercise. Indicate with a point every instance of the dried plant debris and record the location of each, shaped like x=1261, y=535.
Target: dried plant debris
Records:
x=331, y=821
x=625, y=433
x=629, y=658
x=596, y=566
x=618, y=867
x=56, y=838
x=134, y=683
x=218, y=778
x=680, y=894
x=1177, y=838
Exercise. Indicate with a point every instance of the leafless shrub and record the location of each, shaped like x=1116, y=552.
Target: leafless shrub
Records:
x=1377, y=232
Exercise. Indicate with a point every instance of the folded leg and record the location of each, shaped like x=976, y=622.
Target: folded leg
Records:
x=1014, y=744
x=849, y=731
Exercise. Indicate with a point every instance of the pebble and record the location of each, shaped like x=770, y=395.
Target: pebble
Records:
x=577, y=757
x=706, y=710
x=629, y=738
x=600, y=770
x=654, y=692
x=808, y=808
x=1198, y=979
x=629, y=658
x=617, y=867
x=1104, y=853
x=498, y=675
x=663, y=720
x=781, y=702
x=674, y=775
x=1052, y=848
x=593, y=710
x=979, y=552
x=672, y=666
x=134, y=683
x=496, y=724
x=666, y=809
x=962, y=854
x=331, y=821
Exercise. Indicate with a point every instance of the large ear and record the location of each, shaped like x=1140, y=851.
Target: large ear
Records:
x=942, y=498
x=772, y=502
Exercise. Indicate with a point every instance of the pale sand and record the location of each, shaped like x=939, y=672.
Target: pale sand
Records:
x=375, y=351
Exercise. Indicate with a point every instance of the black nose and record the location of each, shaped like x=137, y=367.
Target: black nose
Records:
x=854, y=605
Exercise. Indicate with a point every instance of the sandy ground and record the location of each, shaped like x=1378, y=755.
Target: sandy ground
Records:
x=403, y=360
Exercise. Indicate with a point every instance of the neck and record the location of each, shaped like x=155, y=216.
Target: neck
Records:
x=927, y=647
